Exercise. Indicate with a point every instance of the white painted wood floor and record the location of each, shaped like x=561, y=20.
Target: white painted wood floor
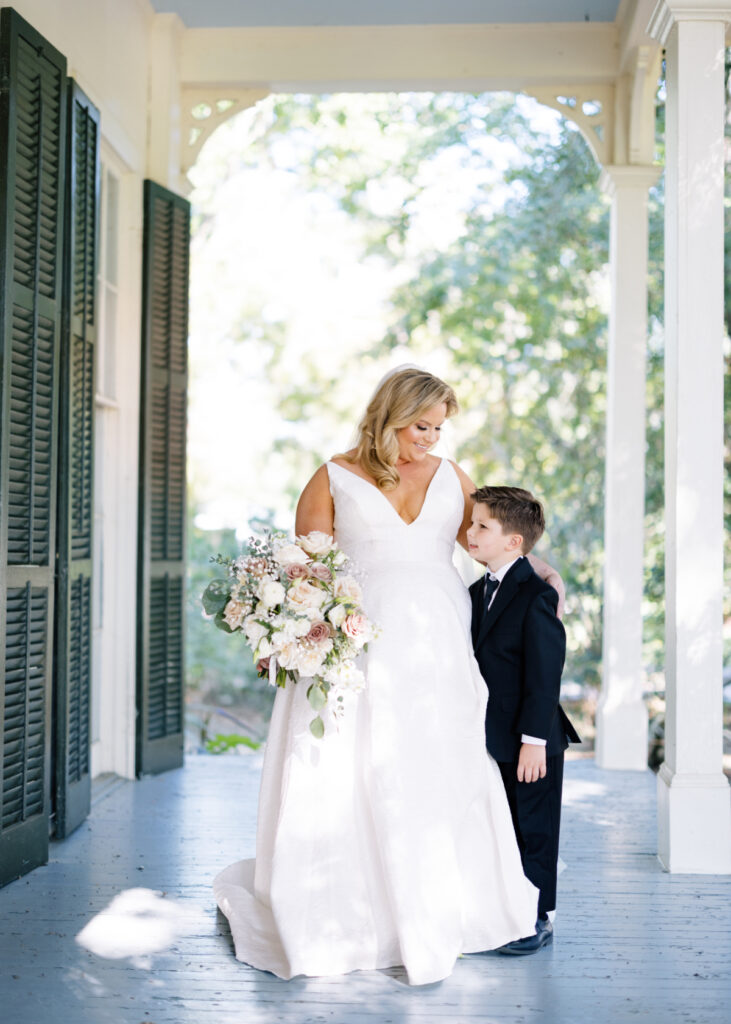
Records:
x=632, y=943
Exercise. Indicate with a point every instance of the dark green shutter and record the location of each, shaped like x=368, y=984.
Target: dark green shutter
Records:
x=76, y=461
x=162, y=491
x=32, y=164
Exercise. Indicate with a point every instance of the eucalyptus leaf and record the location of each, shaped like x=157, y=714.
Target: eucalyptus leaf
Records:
x=218, y=620
x=215, y=596
x=317, y=728
x=317, y=698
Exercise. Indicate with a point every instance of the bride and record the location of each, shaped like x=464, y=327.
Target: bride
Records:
x=389, y=841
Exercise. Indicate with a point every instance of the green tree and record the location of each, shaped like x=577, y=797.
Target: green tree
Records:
x=516, y=301
x=219, y=668
x=513, y=305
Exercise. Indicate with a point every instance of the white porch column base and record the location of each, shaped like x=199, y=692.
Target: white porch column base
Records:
x=694, y=822
x=694, y=809
x=621, y=724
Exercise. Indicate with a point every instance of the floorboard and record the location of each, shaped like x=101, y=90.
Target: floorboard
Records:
x=632, y=943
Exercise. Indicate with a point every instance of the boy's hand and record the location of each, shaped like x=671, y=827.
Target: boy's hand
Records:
x=531, y=762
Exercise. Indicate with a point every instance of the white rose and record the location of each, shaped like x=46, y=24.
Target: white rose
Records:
x=264, y=649
x=347, y=587
x=280, y=639
x=303, y=595
x=346, y=676
x=337, y=615
x=288, y=655
x=234, y=613
x=311, y=659
x=316, y=543
x=254, y=630
x=290, y=554
x=340, y=558
x=270, y=592
x=284, y=627
x=295, y=626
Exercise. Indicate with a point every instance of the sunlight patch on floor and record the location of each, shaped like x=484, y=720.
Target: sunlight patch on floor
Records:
x=582, y=789
x=136, y=923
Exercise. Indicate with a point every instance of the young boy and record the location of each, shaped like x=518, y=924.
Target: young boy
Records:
x=520, y=646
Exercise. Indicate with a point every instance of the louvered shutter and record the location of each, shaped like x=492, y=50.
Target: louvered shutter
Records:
x=161, y=575
x=32, y=164
x=76, y=460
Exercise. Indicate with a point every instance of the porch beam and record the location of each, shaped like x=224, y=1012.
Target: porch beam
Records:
x=694, y=801
x=461, y=57
x=622, y=715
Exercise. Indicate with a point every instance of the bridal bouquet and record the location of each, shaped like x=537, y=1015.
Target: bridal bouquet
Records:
x=300, y=612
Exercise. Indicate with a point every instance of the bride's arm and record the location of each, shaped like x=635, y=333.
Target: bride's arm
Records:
x=315, y=509
x=540, y=568
x=468, y=488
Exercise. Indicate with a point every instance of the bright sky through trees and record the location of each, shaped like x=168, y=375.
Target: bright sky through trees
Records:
x=279, y=270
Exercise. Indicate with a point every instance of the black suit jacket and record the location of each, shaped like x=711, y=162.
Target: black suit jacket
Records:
x=520, y=646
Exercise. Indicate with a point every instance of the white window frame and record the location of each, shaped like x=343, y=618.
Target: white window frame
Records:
x=116, y=404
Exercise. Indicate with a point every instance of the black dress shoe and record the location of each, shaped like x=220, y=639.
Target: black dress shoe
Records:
x=532, y=943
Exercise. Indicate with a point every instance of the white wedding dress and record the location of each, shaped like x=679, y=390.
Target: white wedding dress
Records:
x=389, y=841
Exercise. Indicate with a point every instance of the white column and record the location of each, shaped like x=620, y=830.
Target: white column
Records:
x=163, y=102
x=622, y=715
x=694, y=800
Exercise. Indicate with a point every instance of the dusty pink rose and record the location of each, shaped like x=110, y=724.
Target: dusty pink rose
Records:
x=320, y=571
x=319, y=631
x=297, y=571
x=357, y=628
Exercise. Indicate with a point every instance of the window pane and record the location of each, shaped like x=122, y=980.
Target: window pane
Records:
x=108, y=382
x=112, y=233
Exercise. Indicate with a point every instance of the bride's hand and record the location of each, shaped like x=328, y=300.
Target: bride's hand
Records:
x=547, y=573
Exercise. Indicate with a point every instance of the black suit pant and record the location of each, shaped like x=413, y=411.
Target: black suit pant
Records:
x=536, y=811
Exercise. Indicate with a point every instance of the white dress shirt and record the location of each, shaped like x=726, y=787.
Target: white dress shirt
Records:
x=500, y=575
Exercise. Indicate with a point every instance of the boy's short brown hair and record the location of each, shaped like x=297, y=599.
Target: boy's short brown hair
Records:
x=516, y=510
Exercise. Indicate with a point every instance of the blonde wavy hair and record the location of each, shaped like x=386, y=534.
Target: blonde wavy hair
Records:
x=401, y=400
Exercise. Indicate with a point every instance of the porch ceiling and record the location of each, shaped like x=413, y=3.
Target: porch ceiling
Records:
x=295, y=13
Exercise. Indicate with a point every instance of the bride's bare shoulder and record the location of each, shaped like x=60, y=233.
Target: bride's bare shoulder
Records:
x=318, y=480
x=315, y=506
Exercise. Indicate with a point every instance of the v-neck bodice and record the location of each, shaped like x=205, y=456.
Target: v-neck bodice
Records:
x=371, y=531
